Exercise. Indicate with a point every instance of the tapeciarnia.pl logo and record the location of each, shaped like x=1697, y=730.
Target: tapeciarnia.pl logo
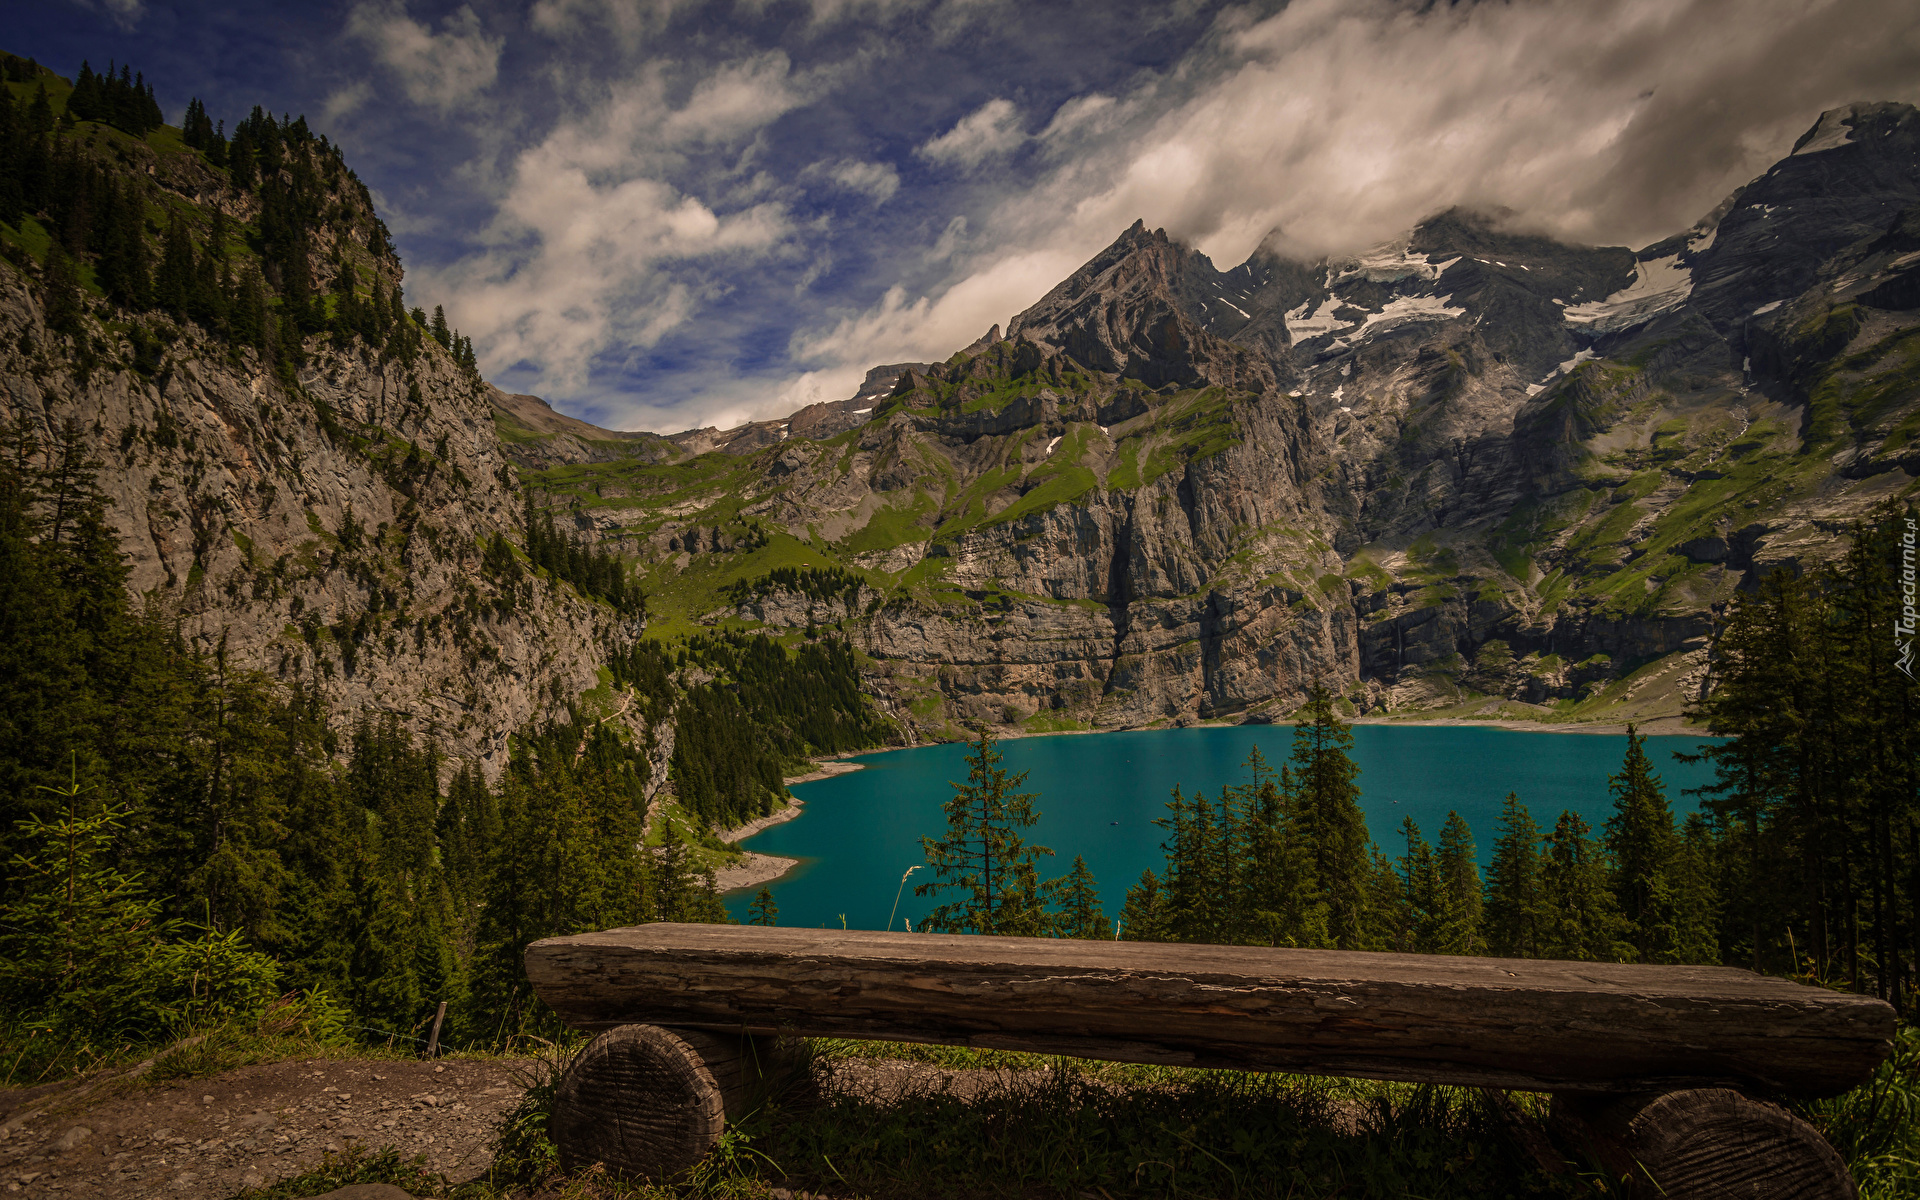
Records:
x=1903, y=627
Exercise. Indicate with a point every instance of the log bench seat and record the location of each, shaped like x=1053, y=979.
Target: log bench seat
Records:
x=1668, y=1072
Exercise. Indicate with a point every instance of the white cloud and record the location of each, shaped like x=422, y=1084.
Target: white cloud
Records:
x=346, y=100
x=874, y=180
x=737, y=99
x=1344, y=122
x=951, y=239
x=438, y=69
x=592, y=251
x=993, y=128
x=1081, y=115
x=920, y=330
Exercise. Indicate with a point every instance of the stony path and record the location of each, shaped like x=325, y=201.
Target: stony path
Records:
x=212, y=1137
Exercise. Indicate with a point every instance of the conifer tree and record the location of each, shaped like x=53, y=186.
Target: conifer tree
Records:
x=63, y=306
x=1144, y=917
x=1080, y=912
x=1415, y=912
x=763, y=911
x=1511, y=916
x=174, y=281
x=672, y=883
x=1640, y=841
x=1458, y=893
x=985, y=856
x=1696, y=901
x=1579, y=918
x=74, y=929
x=1325, y=806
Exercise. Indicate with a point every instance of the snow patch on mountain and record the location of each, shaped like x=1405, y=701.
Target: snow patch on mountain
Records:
x=1659, y=285
x=1403, y=309
x=1534, y=389
x=1831, y=133
x=1307, y=321
x=1389, y=262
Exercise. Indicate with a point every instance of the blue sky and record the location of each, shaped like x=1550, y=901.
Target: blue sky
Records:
x=665, y=213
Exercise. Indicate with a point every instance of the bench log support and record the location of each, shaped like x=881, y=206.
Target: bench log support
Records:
x=651, y=1102
x=1705, y=1144
x=1654, y=1068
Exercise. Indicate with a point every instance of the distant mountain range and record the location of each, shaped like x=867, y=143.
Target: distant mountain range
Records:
x=1473, y=470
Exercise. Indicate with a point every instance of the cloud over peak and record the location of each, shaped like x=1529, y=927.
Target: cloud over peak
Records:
x=991, y=129
x=437, y=69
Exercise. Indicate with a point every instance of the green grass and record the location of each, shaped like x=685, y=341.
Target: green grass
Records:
x=1047, y=721
x=893, y=525
x=513, y=432
x=677, y=599
x=31, y=236
x=1125, y=474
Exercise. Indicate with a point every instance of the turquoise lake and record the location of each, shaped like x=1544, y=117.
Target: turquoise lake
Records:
x=1100, y=794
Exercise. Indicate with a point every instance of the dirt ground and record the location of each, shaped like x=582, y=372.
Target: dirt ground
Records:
x=213, y=1136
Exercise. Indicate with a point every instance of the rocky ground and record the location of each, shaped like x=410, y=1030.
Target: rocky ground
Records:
x=214, y=1136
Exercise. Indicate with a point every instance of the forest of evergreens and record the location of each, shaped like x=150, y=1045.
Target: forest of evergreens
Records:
x=1803, y=857
x=187, y=841
x=113, y=234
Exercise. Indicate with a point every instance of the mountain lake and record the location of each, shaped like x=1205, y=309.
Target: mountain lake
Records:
x=1100, y=793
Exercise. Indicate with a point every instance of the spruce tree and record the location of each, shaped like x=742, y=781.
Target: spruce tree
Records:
x=1640, y=841
x=1080, y=913
x=763, y=911
x=1579, y=918
x=1458, y=895
x=1325, y=806
x=63, y=306
x=1696, y=901
x=1144, y=917
x=1415, y=917
x=1512, y=914
x=985, y=856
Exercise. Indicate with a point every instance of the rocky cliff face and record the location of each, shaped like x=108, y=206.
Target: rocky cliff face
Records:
x=332, y=531
x=327, y=522
x=1473, y=466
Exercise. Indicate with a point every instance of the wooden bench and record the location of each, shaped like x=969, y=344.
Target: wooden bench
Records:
x=1667, y=1073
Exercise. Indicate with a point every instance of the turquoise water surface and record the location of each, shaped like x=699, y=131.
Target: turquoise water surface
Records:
x=1100, y=794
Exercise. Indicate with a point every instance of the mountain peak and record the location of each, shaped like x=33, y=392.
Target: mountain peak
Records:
x=1859, y=122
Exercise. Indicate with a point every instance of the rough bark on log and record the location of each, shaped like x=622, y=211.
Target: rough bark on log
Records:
x=1506, y=1023
x=1707, y=1144
x=650, y=1102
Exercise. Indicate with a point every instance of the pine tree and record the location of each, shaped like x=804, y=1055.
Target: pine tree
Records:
x=75, y=929
x=1080, y=912
x=763, y=911
x=984, y=856
x=1579, y=919
x=1144, y=917
x=174, y=281
x=63, y=308
x=1458, y=895
x=1511, y=916
x=1696, y=902
x=672, y=881
x=1640, y=841
x=1326, y=808
x=1414, y=912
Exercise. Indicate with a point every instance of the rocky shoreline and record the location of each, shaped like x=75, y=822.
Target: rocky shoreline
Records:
x=755, y=869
